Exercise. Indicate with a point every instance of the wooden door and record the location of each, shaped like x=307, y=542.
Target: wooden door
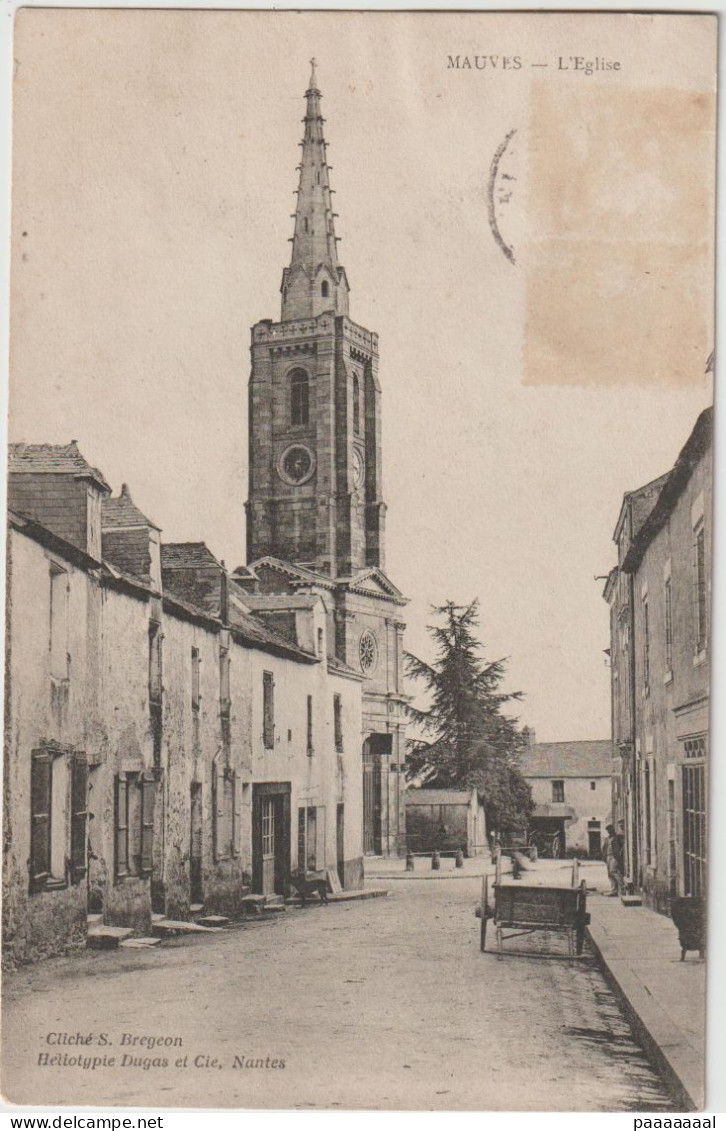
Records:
x=340, y=843
x=271, y=838
x=268, y=844
x=195, y=854
x=594, y=846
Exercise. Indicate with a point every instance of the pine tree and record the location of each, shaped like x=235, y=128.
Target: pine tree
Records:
x=469, y=741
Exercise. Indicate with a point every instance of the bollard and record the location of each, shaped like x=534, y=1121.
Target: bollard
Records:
x=409, y=862
x=533, y=854
x=435, y=861
x=459, y=859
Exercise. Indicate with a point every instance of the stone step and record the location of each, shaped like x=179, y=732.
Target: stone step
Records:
x=255, y=903
x=213, y=920
x=95, y=920
x=196, y=908
x=363, y=893
x=180, y=927
x=107, y=938
x=631, y=900
x=140, y=943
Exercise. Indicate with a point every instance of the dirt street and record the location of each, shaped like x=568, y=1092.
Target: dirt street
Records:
x=386, y=1003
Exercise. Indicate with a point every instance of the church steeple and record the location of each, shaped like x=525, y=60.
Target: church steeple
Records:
x=314, y=282
x=315, y=491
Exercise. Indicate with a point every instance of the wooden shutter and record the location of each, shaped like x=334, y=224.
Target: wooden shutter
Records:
x=338, y=722
x=228, y=803
x=302, y=840
x=215, y=811
x=310, y=724
x=236, y=821
x=147, y=785
x=40, y=794
x=79, y=817
x=122, y=826
x=268, y=696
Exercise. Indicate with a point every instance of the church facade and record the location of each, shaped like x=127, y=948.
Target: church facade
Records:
x=315, y=511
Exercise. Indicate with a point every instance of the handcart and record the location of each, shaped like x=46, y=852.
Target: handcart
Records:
x=521, y=909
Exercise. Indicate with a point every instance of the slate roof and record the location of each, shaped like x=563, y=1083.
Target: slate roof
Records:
x=644, y=499
x=587, y=759
x=336, y=665
x=52, y=459
x=187, y=555
x=674, y=483
x=254, y=632
x=270, y=601
x=119, y=512
x=438, y=796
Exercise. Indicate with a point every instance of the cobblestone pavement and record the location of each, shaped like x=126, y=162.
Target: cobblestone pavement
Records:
x=386, y=1003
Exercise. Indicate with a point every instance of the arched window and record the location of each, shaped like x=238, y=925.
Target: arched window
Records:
x=356, y=404
x=324, y=288
x=299, y=397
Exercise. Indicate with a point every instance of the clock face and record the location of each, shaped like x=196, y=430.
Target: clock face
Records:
x=296, y=465
x=358, y=468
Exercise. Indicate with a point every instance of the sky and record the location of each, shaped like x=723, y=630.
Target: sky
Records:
x=153, y=177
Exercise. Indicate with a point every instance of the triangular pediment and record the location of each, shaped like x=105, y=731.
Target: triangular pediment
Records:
x=375, y=581
x=293, y=575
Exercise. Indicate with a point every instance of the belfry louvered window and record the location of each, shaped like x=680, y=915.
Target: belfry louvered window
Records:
x=356, y=405
x=299, y=397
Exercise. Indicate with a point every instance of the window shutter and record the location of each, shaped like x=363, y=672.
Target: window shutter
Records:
x=148, y=799
x=268, y=689
x=122, y=827
x=215, y=812
x=236, y=815
x=40, y=795
x=79, y=817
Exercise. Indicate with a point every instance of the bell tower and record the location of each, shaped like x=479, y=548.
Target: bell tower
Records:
x=314, y=398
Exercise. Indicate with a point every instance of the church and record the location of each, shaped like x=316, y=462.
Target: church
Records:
x=315, y=511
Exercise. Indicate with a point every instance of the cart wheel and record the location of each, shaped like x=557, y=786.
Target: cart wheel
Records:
x=483, y=936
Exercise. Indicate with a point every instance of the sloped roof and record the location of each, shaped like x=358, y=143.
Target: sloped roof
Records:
x=585, y=759
x=271, y=602
x=187, y=555
x=438, y=796
x=674, y=484
x=254, y=632
x=52, y=459
x=336, y=665
x=296, y=573
x=644, y=499
x=119, y=512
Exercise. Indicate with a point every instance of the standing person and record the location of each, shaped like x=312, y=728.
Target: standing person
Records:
x=612, y=855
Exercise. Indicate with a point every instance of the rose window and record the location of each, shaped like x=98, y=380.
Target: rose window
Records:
x=368, y=652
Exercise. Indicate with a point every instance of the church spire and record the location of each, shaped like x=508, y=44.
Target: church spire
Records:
x=314, y=282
